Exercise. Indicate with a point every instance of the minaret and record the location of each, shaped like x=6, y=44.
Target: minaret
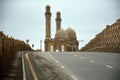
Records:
x=48, y=22
x=58, y=21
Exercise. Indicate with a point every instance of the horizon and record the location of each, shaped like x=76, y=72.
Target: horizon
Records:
x=24, y=19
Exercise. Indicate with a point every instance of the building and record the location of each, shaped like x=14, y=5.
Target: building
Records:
x=108, y=40
x=64, y=40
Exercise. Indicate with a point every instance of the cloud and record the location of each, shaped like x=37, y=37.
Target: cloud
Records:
x=25, y=19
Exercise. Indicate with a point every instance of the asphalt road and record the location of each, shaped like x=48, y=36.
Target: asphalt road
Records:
x=84, y=65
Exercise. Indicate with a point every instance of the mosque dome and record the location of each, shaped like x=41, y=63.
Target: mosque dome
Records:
x=71, y=33
x=61, y=34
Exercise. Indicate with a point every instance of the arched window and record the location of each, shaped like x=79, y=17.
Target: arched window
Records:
x=62, y=48
x=51, y=48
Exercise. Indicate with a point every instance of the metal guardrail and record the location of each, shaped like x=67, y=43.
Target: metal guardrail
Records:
x=23, y=67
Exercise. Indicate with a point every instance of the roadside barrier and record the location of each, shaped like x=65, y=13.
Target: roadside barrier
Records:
x=107, y=41
x=8, y=48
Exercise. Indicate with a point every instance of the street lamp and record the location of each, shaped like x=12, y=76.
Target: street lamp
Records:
x=40, y=45
x=27, y=40
x=32, y=45
x=80, y=41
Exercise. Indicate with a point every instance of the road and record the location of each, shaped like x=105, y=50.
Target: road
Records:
x=76, y=65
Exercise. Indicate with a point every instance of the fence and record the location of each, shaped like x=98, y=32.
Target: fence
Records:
x=8, y=47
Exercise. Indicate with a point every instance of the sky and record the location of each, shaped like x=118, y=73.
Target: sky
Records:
x=25, y=19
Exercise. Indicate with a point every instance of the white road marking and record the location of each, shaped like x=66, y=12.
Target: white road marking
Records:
x=81, y=57
x=74, y=77
x=75, y=55
x=62, y=67
x=92, y=61
x=56, y=61
x=109, y=66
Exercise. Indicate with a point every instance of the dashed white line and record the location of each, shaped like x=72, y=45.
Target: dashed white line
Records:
x=109, y=66
x=74, y=77
x=75, y=55
x=62, y=67
x=92, y=61
x=56, y=61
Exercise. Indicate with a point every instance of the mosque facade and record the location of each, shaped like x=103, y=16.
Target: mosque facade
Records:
x=64, y=40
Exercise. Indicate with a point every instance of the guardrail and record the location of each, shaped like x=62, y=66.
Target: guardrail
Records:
x=23, y=66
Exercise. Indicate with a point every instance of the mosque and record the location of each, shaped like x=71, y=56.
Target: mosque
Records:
x=64, y=40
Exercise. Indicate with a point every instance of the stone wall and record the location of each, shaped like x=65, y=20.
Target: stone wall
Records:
x=106, y=41
x=8, y=48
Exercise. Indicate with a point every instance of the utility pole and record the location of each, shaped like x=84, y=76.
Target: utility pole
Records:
x=40, y=45
x=27, y=41
x=32, y=45
x=79, y=42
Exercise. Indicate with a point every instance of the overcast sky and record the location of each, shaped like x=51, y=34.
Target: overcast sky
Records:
x=25, y=19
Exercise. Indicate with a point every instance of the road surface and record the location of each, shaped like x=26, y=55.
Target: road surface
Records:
x=76, y=65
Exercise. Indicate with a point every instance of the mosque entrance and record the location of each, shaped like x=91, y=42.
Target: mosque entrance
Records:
x=62, y=47
x=57, y=50
x=51, y=48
